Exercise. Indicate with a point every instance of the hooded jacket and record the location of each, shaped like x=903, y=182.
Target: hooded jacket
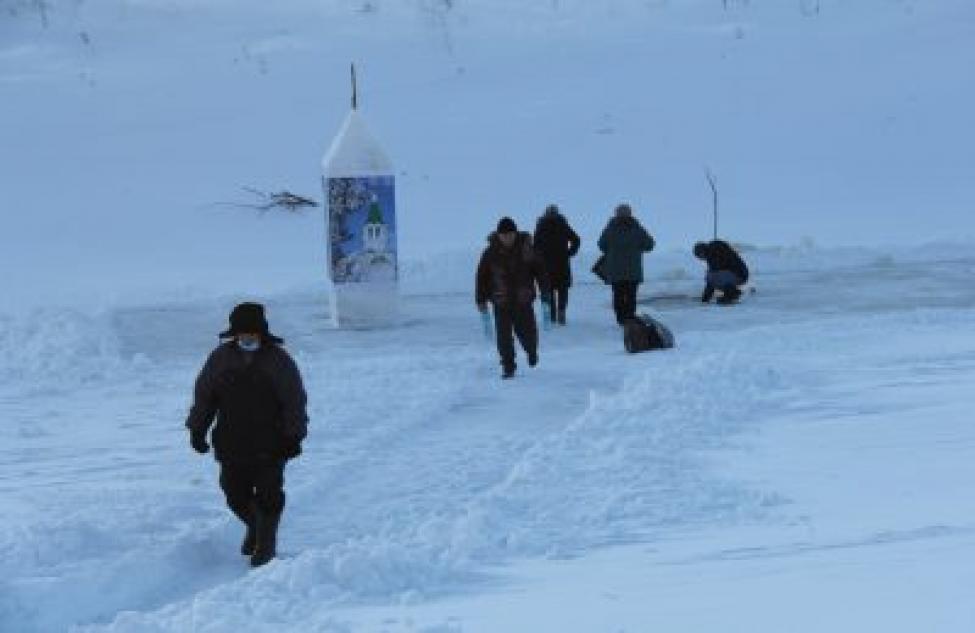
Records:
x=508, y=276
x=556, y=242
x=623, y=242
x=721, y=256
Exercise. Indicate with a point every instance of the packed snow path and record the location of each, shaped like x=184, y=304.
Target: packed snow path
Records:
x=423, y=473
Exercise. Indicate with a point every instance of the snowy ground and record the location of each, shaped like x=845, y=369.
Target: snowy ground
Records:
x=802, y=461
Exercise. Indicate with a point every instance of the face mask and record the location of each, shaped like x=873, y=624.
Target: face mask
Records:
x=249, y=345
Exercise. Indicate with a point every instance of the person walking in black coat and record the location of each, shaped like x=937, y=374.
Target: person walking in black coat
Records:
x=726, y=271
x=506, y=276
x=254, y=389
x=556, y=243
x=623, y=243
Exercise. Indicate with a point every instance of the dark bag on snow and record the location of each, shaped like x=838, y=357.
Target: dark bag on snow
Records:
x=599, y=268
x=644, y=333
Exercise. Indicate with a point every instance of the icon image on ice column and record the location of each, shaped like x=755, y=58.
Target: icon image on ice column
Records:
x=363, y=229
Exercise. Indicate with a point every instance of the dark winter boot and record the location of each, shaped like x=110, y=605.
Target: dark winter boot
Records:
x=729, y=295
x=560, y=317
x=249, y=544
x=507, y=373
x=532, y=358
x=267, y=538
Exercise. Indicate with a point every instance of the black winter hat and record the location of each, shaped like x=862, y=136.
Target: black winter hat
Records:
x=507, y=225
x=249, y=317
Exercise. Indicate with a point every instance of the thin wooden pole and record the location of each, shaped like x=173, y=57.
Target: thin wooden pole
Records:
x=355, y=92
x=714, y=198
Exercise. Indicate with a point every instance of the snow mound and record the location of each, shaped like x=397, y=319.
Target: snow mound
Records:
x=58, y=349
x=628, y=468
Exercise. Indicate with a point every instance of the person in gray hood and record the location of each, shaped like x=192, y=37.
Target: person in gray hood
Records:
x=623, y=243
x=254, y=390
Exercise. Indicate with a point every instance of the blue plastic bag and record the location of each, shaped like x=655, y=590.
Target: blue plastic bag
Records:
x=486, y=324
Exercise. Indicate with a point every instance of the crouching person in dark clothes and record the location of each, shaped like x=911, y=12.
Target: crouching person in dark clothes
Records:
x=506, y=276
x=254, y=389
x=726, y=271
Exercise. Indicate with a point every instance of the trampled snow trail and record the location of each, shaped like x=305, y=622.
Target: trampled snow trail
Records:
x=422, y=471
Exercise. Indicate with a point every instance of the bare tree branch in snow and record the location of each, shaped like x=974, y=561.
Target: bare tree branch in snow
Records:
x=266, y=201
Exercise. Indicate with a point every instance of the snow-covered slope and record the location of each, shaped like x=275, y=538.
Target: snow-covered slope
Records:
x=130, y=126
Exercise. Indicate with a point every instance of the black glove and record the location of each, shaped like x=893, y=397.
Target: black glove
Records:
x=291, y=449
x=199, y=442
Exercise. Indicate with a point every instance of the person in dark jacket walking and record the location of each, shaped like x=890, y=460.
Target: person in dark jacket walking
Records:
x=726, y=271
x=556, y=243
x=623, y=243
x=506, y=276
x=254, y=389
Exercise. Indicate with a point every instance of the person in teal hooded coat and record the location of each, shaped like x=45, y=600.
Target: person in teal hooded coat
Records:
x=623, y=243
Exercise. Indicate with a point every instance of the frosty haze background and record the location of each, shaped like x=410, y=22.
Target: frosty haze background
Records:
x=127, y=124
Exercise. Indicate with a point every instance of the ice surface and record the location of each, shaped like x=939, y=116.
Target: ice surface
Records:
x=138, y=124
